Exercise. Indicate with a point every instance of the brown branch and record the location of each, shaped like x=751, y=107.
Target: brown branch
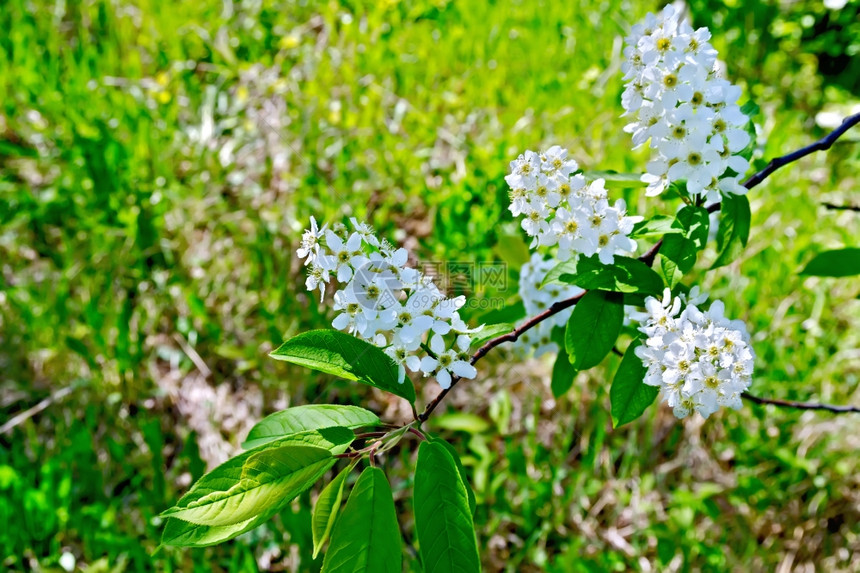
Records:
x=822, y=144
x=651, y=254
x=512, y=336
x=648, y=258
x=835, y=207
x=801, y=405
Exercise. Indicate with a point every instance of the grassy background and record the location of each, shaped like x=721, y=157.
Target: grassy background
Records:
x=158, y=161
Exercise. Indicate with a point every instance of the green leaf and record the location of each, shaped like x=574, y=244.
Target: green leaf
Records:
x=462, y=421
x=326, y=509
x=734, y=229
x=266, y=478
x=563, y=272
x=346, y=356
x=750, y=109
x=443, y=522
x=303, y=418
x=563, y=374
x=460, y=469
x=694, y=223
x=614, y=176
x=593, y=328
x=490, y=331
x=229, y=475
x=836, y=263
x=679, y=251
x=658, y=225
x=668, y=266
x=181, y=533
x=366, y=537
x=625, y=275
x=629, y=396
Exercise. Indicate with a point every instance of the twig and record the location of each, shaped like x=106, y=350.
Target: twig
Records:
x=27, y=414
x=651, y=254
x=512, y=336
x=822, y=144
x=194, y=356
x=801, y=405
x=648, y=258
x=371, y=456
x=418, y=433
x=835, y=207
x=366, y=435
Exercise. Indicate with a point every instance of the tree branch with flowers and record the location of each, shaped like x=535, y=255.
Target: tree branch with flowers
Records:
x=581, y=287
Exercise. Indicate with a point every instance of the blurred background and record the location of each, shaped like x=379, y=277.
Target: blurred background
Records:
x=159, y=159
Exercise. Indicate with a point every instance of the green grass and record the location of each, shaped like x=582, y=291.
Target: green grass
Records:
x=152, y=277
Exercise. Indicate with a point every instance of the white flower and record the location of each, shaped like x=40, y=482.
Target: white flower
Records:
x=343, y=254
x=318, y=277
x=416, y=315
x=310, y=244
x=364, y=230
x=448, y=361
x=524, y=171
x=353, y=318
x=561, y=208
x=404, y=358
x=555, y=161
x=699, y=360
x=535, y=223
x=677, y=102
x=383, y=301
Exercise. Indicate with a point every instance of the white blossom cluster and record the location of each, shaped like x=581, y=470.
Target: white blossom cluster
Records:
x=560, y=208
x=676, y=100
x=385, y=302
x=536, y=300
x=699, y=360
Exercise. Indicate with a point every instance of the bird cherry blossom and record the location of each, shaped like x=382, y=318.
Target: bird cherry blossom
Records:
x=384, y=301
x=688, y=113
x=700, y=360
x=559, y=207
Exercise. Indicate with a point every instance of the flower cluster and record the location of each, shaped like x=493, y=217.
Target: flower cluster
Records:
x=700, y=360
x=560, y=208
x=536, y=300
x=677, y=101
x=387, y=303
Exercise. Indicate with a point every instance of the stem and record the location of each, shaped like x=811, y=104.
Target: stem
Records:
x=426, y=349
x=801, y=405
x=418, y=433
x=370, y=435
x=835, y=207
x=651, y=254
x=372, y=454
x=648, y=258
x=512, y=336
x=822, y=144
